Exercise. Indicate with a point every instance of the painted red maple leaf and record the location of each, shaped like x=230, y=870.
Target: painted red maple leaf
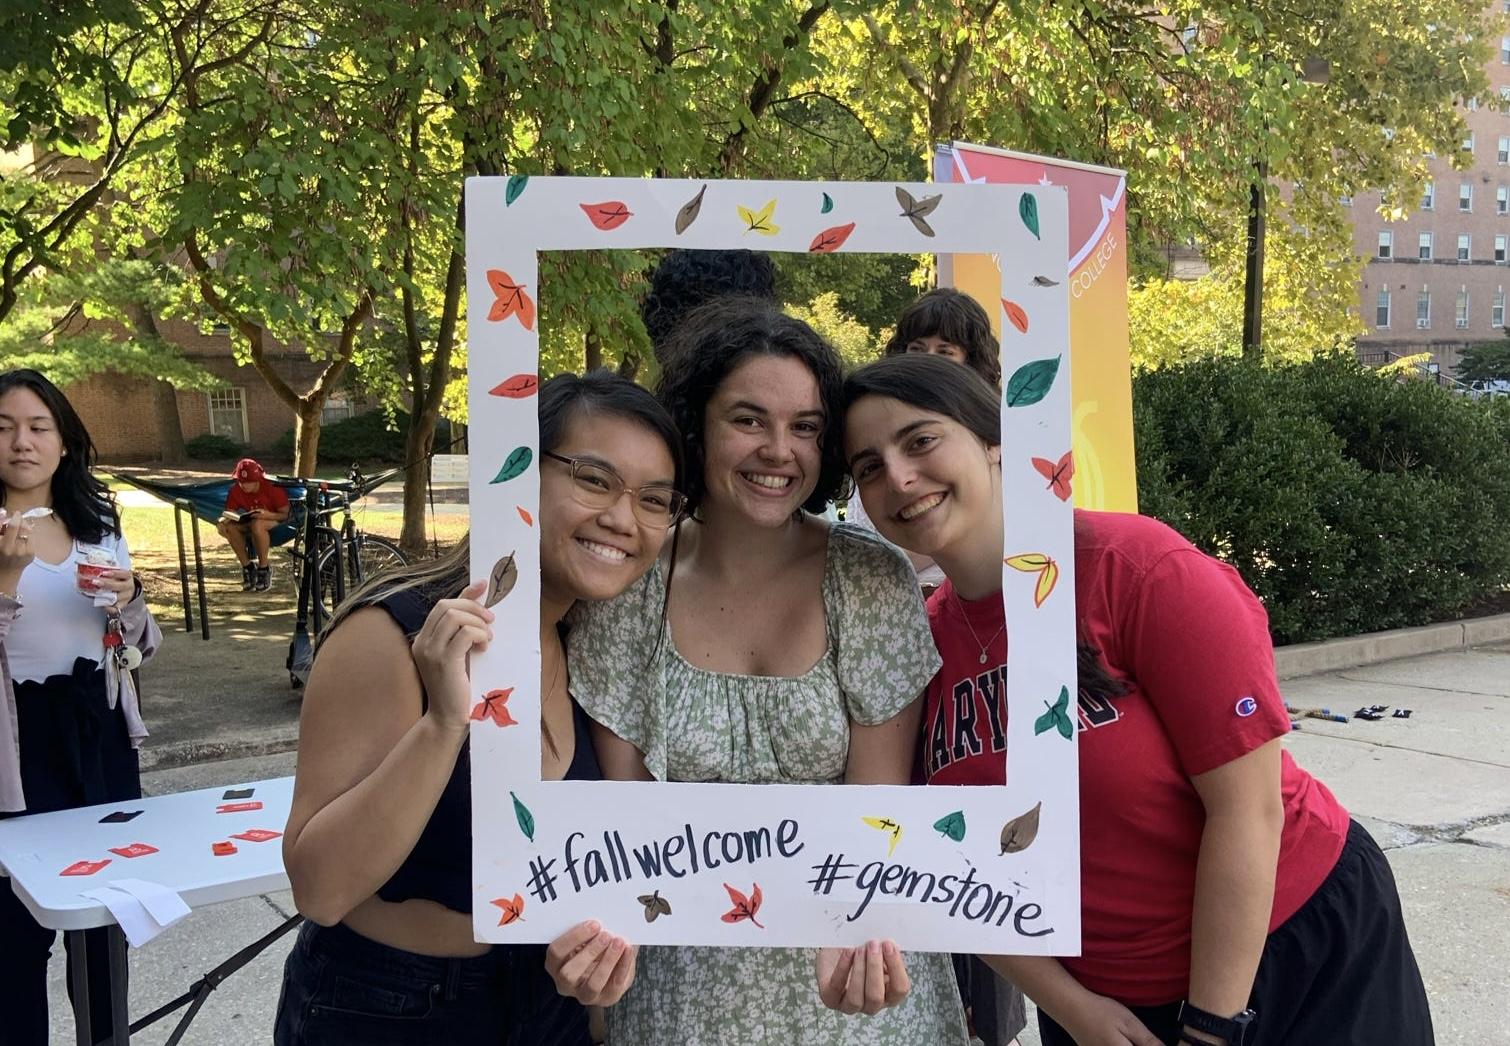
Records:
x=1058, y=475
x=511, y=907
x=744, y=907
x=511, y=300
x=830, y=239
x=495, y=706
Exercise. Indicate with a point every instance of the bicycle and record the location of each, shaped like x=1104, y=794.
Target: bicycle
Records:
x=329, y=559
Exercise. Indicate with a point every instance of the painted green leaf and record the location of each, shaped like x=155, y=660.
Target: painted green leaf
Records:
x=828, y=204
x=952, y=825
x=1027, y=207
x=514, y=465
x=1057, y=717
x=525, y=818
x=1031, y=382
x=515, y=186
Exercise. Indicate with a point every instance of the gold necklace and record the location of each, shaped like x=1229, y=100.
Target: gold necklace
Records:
x=962, y=613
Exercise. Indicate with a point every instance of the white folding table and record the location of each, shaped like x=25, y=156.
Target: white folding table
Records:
x=183, y=829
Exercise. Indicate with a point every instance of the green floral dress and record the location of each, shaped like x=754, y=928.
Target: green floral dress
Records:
x=698, y=725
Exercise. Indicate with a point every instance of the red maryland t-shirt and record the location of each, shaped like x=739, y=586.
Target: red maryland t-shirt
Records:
x=268, y=496
x=1191, y=642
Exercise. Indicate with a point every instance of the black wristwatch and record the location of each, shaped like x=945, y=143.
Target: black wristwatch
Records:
x=1232, y=1030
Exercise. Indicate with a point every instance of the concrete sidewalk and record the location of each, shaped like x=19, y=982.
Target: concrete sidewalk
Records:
x=1434, y=789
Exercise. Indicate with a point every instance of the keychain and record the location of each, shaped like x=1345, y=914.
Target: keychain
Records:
x=127, y=658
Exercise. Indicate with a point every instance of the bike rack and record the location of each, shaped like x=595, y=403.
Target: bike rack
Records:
x=182, y=507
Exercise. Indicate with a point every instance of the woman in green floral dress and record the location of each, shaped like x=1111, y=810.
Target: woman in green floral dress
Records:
x=789, y=650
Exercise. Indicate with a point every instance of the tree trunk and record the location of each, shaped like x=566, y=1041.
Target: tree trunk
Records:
x=307, y=437
x=629, y=366
x=418, y=443
x=592, y=351
x=170, y=432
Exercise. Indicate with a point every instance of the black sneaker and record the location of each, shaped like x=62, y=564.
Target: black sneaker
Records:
x=264, y=578
x=248, y=577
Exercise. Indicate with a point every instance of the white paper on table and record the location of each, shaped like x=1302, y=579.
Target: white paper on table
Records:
x=141, y=909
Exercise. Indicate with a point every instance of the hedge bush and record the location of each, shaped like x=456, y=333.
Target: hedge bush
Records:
x=1349, y=502
x=213, y=447
x=363, y=437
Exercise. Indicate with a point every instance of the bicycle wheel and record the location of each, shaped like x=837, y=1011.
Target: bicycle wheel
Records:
x=369, y=554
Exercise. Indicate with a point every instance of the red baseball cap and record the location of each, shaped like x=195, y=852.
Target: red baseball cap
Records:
x=247, y=471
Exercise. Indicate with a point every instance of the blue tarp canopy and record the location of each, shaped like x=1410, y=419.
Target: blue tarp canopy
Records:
x=208, y=499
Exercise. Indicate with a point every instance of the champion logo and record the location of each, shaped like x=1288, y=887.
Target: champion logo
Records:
x=1246, y=706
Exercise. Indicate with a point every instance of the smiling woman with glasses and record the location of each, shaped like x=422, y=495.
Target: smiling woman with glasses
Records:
x=596, y=485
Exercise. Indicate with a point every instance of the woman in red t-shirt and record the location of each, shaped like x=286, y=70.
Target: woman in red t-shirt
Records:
x=1226, y=895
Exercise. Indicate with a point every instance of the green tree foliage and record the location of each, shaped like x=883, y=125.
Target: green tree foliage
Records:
x=1486, y=361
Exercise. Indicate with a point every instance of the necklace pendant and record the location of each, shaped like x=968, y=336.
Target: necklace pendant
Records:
x=982, y=657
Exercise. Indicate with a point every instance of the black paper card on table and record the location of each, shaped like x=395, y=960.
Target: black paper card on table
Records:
x=119, y=816
x=238, y=793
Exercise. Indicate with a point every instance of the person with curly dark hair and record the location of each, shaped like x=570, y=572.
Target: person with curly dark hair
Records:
x=949, y=323
x=767, y=645
x=686, y=279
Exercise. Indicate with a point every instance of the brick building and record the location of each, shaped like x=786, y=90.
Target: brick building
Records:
x=120, y=412
x=1437, y=281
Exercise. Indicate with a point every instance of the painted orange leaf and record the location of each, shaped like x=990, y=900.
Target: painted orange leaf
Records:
x=831, y=239
x=517, y=387
x=512, y=908
x=495, y=706
x=511, y=300
x=608, y=215
x=1040, y=564
x=1016, y=315
x=524, y=514
x=1058, y=474
x=744, y=907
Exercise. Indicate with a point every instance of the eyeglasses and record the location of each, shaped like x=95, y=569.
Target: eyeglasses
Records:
x=598, y=487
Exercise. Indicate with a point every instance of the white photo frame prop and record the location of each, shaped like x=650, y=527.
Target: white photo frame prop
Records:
x=992, y=869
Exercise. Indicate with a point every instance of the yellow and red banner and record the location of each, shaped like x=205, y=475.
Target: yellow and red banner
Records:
x=1100, y=367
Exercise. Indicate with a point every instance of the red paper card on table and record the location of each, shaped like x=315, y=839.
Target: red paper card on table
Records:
x=257, y=835
x=237, y=808
x=222, y=849
x=134, y=850
x=84, y=867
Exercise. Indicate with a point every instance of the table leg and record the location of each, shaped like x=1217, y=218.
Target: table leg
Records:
x=119, y=1009
x=78, y=978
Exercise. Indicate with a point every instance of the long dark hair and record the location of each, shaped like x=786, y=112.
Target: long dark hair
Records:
x=958, y=319
x=713, y=341
x=85, y=506
x=941, y=386
x=561, y=400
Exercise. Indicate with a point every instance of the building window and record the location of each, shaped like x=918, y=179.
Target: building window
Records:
x=1386, y=243
x=1346, y=201
x=337, y=408
x=1423, y=249
x=1505, y=51
x=1499, y=249
x=1502, y=200
x=1462, y=316
x=1468, y=143
x=1497, y=311
x=1503, y=153
x=1429, y=194
x=1465, y=196
x=1423, y=310
x=1504, y=94
x=228, y=414
x=1381, y=308
x=1471, y=104
x=1465, y=247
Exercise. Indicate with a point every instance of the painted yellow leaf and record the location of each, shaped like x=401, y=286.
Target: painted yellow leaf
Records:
x=892, y=828
x=1047, y=579
x=1028, y=562
x=759, y=221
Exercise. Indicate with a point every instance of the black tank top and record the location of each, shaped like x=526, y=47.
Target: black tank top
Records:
x=439, y=868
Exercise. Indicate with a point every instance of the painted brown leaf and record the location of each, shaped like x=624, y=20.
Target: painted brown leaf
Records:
x=1018, y=833
x=501, y=580
x=689, y=212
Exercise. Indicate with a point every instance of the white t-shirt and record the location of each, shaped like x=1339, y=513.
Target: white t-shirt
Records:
x=931, y=576
x=57, y=623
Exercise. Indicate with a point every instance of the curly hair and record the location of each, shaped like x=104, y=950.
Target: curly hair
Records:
x=958, y=319
x=719, y=337
x=685, y=279
x=84, y=505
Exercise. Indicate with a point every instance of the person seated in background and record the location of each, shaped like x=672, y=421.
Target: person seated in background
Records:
x=253, y=507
